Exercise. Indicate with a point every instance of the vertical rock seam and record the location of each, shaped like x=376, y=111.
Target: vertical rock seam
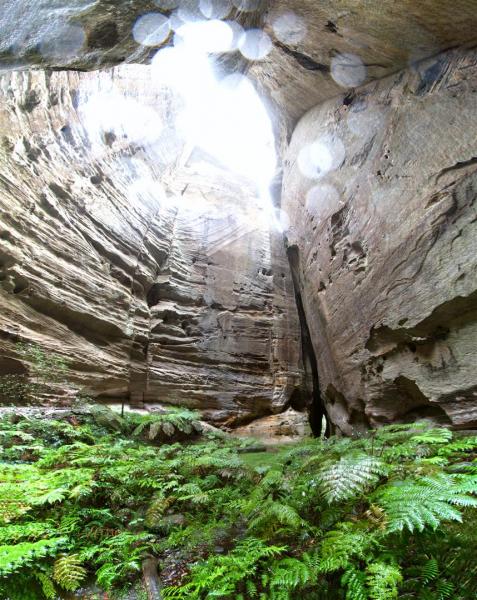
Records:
x=312, y=381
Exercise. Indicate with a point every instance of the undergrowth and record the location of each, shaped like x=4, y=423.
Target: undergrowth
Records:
x=389, y=515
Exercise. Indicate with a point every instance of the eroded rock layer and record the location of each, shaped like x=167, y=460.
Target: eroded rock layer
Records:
x=155, y=272
x=383, y=238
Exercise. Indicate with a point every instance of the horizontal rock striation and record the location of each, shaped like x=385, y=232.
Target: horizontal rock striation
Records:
x=385, y=231
x=160, y=282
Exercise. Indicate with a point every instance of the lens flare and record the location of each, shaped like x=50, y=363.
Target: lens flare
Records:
x=215, y=9
x=320, y=157
x=206, y=36
x=289, y=28
x=321, y=200
x=189, y=11
x=255, y=44
x=232, y=125
x=151, y=29
x=112, y=117
x=248, y=5
x=348, y=70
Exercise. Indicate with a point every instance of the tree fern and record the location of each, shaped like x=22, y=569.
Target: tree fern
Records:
x=349, y=476
x=416, y=504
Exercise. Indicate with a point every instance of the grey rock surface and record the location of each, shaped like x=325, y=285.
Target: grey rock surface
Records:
x=382, y=207
x=160, y=283
x=311, y=39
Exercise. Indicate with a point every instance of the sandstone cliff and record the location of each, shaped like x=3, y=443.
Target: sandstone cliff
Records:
x=162, y=276
x=158, y=288
x=384, y=239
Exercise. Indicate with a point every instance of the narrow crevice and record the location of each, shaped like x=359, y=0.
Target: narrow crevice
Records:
x=303, y=60
x=315, y=403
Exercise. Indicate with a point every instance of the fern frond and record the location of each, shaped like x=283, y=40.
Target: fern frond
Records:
x=349, y=477
x=13, y=558
x=26, y=531
x=47, y=586
x=445, y=590
x=425, y=502
x=354, y=582
x=430, y=571
x=289, y=573
x=383, y=581
x=68, y=572
x=340, y=545
x=274, y=514
x=433, y=436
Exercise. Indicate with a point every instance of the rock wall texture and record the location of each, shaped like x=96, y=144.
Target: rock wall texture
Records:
x=384, y=35
x=380, y=191
x=374, y=38
x=288, y=426
x=159, y=280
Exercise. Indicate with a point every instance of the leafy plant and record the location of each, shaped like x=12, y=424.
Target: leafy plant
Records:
x=68, y=572
x=388, y=515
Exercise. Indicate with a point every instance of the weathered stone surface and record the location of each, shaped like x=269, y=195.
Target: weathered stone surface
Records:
x=190, y=301
x=385, y=247
x=384, y=34
x=75, y=34
x=161, y=282
x=289, y=426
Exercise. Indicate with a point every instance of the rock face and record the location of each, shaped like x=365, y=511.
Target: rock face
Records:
x=310, y=37
x=383, y=243
x=322, y=45
x=159, y=273
x=158, y=288
x=289, y=426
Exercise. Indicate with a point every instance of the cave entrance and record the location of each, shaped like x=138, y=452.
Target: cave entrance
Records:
x=319, y=422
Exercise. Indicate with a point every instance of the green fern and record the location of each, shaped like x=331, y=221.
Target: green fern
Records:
x=416, y=504
x=343, y=544
x=26, y=531
x=430, y=571
x=354, y=582
x=290, y=573
x=68, y=572
x=349, y=476
x=392, y=511
x=15, y=557
x=219, y=576
x=273, y=515
x=383, y=581
x=47, y=586
x=433, y=436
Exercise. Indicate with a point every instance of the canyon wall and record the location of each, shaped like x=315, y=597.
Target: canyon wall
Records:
x=155, y=272
x=380, y=189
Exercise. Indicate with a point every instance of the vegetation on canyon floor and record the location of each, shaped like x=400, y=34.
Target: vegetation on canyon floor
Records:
x=388, y=515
